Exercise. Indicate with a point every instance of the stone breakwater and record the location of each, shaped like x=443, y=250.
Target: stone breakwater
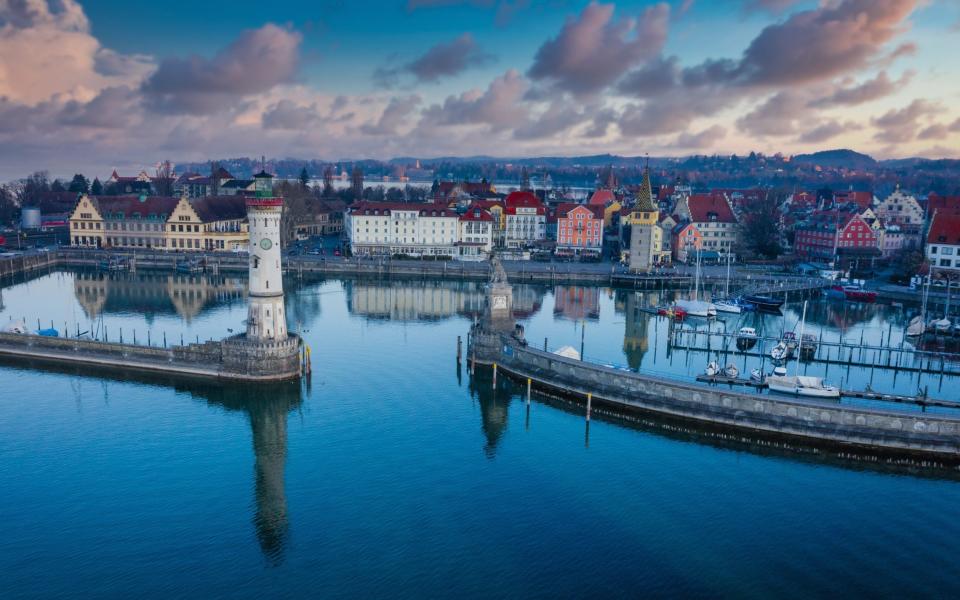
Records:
x=918, y=436
x=235, y=358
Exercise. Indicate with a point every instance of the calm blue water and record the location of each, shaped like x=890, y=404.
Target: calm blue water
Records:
x=395, y=474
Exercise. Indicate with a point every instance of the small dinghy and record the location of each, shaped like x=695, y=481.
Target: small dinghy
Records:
x=713, y=369
x=15, y=327
x=779, y=352
x=756, y=376
x=731, y=371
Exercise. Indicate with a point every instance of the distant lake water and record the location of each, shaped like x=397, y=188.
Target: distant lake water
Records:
x=394, y=472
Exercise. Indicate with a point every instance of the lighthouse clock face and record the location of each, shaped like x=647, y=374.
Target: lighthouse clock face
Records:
x=266, y=244
x=499, y=301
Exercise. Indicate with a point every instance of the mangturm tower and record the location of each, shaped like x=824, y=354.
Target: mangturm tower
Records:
x=645, y=234
x=266, y=320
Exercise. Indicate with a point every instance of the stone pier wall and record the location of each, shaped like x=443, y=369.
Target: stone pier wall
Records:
x=232, y=359
x=899, y=432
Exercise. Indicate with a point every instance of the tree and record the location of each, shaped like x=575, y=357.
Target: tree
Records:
x=96, y=188
x=356, y=182
x=524, y=179
x=328, y=182
x=163, y=181
x=79, y=184
x=8, y=206
x=296, y=208
x=33, y=189
x=304, y=178
x=760, y=225
x=395, y=194
x=57, y=186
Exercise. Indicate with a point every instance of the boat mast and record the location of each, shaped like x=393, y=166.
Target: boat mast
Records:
x=803, y=320
x=726, y=287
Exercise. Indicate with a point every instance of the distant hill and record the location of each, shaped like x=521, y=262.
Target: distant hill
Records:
x=837, y=158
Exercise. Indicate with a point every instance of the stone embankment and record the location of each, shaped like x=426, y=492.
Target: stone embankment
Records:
x=231, y=359
x=917, y=436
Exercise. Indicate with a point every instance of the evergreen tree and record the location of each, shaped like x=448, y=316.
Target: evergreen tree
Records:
x=79, y=184
x=96, y=188
x=57, y=186
x=304, y=178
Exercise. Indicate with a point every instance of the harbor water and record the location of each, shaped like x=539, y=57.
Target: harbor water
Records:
x=395, y=472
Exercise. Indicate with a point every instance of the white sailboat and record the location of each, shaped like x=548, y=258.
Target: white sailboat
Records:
x=696, y=307
x=918, y=324
x=726, y=305
x=801, y=385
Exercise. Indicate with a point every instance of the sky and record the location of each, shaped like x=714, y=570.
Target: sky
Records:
x=93, y=86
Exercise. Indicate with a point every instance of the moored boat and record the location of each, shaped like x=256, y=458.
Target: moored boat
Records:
x=763, y=302
x=696, y=308
x=854, y=293
x=916, y=327
x=746, y=338
x=802, y=385
x=728, y=306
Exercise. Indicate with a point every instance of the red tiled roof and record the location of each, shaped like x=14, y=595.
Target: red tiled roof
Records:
x=945, y=229
x=710, y=207
x=943, y=204
x=487, y=204
x=602, y=197
x=385, y=208
x=475, y=213
x=862, y=199
x=521, y=199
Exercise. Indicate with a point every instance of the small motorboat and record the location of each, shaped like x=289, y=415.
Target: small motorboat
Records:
x=731, y=371
x=941, y=326
x=672, y=312
x=728, y=306
x=49, y=332
x=790, y=340
x=19, y=327
x=696, y=308
x=854, y=293
x=746, y=338
x=780, y=351
x=712, y=370
x=779, y=370
x=808, y=346
x=763, y=302
x=756, y=376
x=916, y=327
x=802, y=385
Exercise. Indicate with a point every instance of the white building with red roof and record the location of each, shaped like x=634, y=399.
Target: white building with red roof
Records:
x=476, y=235
x=526, y=220
x=713, y=218
x=389, y=228
x=943, y=244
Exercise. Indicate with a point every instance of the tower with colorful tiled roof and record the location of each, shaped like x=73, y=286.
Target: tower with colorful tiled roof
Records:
x=645, y=233
x=266, y=318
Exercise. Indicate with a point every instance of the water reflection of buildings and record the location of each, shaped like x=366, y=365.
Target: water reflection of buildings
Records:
x=430, y=300
x=636, y=335
x=155, y=293
x=576, y=302
x=267, y=409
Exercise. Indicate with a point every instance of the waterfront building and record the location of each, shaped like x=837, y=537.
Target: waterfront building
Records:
x=579, y=229
x=904, y=210
x=687, y=241
x=266, y=320
x=943, y=244
x=714, y=219
x=389, y=228
x=159, y=222
x=476, y=234
x=645, y=233
x=526, y=220
x=667, y=224
x=829, y=233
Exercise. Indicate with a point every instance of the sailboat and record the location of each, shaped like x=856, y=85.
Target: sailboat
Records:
x=801, y=385
x=726, y=305
x=918, y=324
x=696, y=307
x=942, y=326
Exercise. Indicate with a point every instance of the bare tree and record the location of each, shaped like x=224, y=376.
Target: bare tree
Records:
x=163, y=182
x=328, y=182
x=356, y=183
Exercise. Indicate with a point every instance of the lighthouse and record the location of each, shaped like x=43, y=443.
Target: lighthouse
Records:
x=266, y=320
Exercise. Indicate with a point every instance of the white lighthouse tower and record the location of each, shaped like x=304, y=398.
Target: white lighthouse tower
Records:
x=266, y=320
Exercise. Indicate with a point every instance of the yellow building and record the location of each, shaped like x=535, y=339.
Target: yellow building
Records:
x=158, y=222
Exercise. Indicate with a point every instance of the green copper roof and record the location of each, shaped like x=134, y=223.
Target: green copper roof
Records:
x=645, y=201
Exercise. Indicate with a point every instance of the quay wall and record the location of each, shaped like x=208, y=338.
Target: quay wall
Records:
x=26, y=263
x=913, y=434
x=232, y=359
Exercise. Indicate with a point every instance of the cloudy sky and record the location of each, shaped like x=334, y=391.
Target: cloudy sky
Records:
x=89, y=86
